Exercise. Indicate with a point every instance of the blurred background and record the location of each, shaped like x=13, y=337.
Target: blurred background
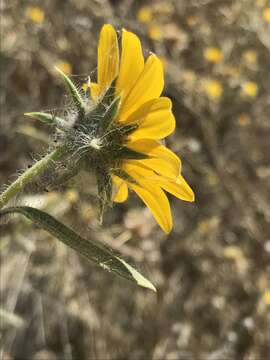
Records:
x=212, y=272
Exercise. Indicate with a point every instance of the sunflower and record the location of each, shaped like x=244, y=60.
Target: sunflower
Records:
x=149, y=168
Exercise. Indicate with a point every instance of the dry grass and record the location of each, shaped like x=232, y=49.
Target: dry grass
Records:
x=212, y=272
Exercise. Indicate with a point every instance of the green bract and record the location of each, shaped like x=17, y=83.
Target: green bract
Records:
x=92, y=140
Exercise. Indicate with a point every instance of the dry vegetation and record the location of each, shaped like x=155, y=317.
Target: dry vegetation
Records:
x=212, y=272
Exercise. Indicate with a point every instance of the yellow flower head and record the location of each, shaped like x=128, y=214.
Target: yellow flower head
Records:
x=266, y=14
x=155, y=32
x=145, y=14
x=266, y=297
x=213, y=89
x=250, y=89
x=35, y=13
x=213, y=55
x=114, y=129
x=142, y=119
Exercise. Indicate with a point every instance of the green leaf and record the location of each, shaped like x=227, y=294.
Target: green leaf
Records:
x=109, y=95
x=109, y=115
x=47, y=118
x=125, y=153
x=77, y=99
x=90, y=249
x=104, y=112
x=127, y=129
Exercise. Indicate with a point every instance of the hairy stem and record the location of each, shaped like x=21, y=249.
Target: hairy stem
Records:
x=37, y=169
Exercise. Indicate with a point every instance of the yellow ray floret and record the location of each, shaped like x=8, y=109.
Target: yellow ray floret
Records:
x=148, y=86
x=150, y=193
x=155, y=120
x=120, y=193
x=132, y=63
x=108, y=57
x=160, y=159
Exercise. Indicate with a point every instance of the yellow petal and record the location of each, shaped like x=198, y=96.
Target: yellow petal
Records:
x=162, y=160
x=108, y=57
x=158, y=203
x=120, y=190
x=178, y=188
x=139, y=172
x=150, y=193
x=155, y=120
x=132, y=63
x=148, y=86
x=148, y=184
x=95, y=91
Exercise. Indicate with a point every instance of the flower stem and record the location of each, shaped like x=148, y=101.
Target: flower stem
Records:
x=37, y=169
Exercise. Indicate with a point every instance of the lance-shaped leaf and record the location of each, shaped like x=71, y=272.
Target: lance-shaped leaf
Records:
x=125, y=153
x=47, y=119
x=127, y=129
x=109, y=115
x=77, y=99
x=105, y=111
x=109, y=95
x=90, y=249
